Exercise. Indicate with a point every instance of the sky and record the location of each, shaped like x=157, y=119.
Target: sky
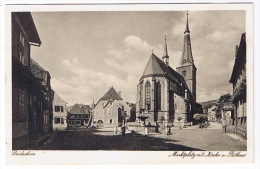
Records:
x=88, y=52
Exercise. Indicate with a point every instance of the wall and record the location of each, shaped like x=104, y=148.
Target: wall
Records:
x=20, y=136
x=179, y=106
x=110, y=111
x=59, y=126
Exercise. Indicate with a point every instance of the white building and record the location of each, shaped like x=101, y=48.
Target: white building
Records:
x=110, y=110
x=59, y=113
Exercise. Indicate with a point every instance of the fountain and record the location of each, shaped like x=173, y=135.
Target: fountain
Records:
x=143, y=118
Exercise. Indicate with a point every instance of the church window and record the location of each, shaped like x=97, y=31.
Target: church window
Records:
x=148, y=95
x=141, y=96
x=159, y=97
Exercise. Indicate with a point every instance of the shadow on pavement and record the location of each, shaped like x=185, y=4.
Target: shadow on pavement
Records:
x=92, y=139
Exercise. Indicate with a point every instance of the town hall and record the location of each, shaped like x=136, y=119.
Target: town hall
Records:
x=165, y=93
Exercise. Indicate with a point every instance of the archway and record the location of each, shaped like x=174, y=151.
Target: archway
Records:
x=100, y=123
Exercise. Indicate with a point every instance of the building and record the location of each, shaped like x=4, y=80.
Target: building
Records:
x=238, y=79
x=227, y=112
x=59, y=113
x=110, y=110
x=24, y=35
x=132, y=111
x=163, y=93
x=78, y=115
x=210, y=108
x=41, y=99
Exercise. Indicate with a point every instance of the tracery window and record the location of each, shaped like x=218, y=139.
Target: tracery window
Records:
x=141, y=96
x=148, y=95
x=159, y=97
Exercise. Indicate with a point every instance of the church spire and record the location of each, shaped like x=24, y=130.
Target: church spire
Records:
x=187, y=57
x=187, y=68
x=187, y=24
x=165, y=54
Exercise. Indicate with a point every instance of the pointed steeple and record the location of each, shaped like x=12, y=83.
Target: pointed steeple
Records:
x=187, y=68
x=165, y=54
x=187, y=57
x=187, y=24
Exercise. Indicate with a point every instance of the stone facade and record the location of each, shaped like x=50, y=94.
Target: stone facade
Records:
x=110, y=110
x=163, y=93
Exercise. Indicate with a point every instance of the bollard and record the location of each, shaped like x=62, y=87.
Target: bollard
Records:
x=146, y=131
x=168, y=130
x=156, y=129
x=116, y=129
x=123, y=130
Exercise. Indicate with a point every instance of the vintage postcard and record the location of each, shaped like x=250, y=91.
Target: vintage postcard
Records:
x=129, y=84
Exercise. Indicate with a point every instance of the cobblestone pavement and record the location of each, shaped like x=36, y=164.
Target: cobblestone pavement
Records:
x=189, y=139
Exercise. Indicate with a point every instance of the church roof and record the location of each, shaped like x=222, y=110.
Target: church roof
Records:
x=156, y=67
x=111, y=95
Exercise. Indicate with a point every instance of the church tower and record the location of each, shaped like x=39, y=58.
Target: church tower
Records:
x=165, y=54
x=187, y=67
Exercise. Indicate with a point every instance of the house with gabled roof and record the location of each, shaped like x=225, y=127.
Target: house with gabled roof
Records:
x=167, y=94
x=78, y=115
x=59, y=113
x=110, y=110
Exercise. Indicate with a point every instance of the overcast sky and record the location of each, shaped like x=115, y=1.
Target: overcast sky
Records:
x=88, y=52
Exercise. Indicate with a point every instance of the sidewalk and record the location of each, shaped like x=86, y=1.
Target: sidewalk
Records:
x=236, y=137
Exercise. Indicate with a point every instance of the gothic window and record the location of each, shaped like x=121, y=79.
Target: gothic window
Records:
x=141, y=96
x=148, y=95
x=159, y=97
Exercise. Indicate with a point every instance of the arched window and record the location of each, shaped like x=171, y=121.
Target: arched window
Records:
x=141, y=96
x=148, y=95
x=159, y=96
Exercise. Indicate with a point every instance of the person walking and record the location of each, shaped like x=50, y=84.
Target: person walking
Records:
x=224, y=125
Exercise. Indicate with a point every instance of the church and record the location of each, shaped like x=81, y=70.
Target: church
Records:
x=167, y=94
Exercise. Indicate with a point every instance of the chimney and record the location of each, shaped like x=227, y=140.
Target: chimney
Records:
x=186, y=94
x=119, y=93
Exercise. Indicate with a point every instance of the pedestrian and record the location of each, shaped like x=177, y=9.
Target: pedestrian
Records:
x=224, y=125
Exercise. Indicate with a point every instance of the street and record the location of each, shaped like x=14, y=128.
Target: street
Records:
x=189, y=139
